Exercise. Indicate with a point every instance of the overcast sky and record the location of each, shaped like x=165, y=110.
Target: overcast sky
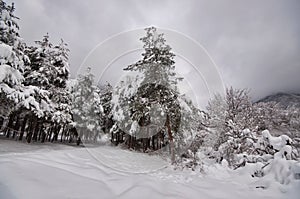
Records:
x=255, y=44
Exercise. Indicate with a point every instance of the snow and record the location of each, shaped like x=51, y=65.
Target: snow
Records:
x=5, y=51
x=59, y=171
x=7, y=73
x=134, y=128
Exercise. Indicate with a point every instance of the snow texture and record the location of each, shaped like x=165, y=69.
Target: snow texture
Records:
x=109, y=172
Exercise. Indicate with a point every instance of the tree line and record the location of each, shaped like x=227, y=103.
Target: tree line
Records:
x=39, y=101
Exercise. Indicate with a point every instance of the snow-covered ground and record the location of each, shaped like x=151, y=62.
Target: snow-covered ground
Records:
x=38, y=171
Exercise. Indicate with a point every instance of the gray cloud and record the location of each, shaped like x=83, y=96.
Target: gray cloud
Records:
x=255, y=44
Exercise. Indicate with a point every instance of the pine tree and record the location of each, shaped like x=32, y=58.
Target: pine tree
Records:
x=157, y=65
x=86, y=108
x=155, y=90
x=60, y=95
x=49, y=72
x=12, y=59
x=105, y=99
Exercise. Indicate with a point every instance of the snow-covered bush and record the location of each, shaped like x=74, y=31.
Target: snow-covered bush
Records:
x=282, y=168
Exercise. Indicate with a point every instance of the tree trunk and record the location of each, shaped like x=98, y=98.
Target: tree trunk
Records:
x=41, y=130
x=43, y=135
x=50, y=133
x=23, y=128
x=53, y=132
x=172, y=147
x=30, y=130
x=36, y=131
x=16, y=127
x=9, y=125
x=62, y=133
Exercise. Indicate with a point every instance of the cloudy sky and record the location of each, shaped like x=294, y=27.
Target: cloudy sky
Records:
x=254, y=44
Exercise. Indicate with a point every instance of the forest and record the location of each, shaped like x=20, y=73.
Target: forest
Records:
x=41, y=103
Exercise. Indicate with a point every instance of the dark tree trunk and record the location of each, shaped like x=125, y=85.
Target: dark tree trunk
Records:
x=23, y=128
x=153, y=142
x=30, y=130
x=9, y=125
x=1, y=122
x=16, y=127
x=43, y=136
x=78, y=141
x=41, y=130
x=56, y=130
x=36, y=131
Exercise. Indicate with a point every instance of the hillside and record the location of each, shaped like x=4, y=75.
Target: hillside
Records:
x=283, y=99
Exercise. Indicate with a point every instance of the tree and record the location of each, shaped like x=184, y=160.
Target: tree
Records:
x=12, y=59
x=49, y=71
x=59, y=94
x=15, y=97
x=105, y=100
x=237, y=125
x=240, y=111
x=268, y=115
x=229, y=117
x=150, y=101
x=217, y=112
x=86, y=108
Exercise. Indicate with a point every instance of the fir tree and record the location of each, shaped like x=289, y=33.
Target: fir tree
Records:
x=105, y=99
x=157, y=90
x=12, y=59
x=86, y=108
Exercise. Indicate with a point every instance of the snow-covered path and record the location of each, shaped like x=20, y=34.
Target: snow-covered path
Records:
x=109, y=172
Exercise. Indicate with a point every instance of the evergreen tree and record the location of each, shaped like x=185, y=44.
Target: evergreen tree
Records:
x=157, y=65
x=86, y=108
x=49, y=66
x=48, y=73
x=12, y=59
x=153, y=92
x=105, y=99
x=60, y=95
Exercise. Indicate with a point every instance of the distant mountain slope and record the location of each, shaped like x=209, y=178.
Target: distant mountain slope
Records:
x=283, y=99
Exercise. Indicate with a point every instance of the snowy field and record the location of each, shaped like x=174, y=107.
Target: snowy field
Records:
x=33, y=171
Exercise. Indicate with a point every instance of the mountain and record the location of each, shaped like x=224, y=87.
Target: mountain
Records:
x=283, y=99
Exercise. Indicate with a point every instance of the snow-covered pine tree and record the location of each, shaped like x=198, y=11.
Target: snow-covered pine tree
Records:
x=14, y=95
x=105, y=99
x=158, y=63
x=59, y=94
x=49, y=71
x=12, y=59
x=86, y=108
x=153, y=92
x=42, y=72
